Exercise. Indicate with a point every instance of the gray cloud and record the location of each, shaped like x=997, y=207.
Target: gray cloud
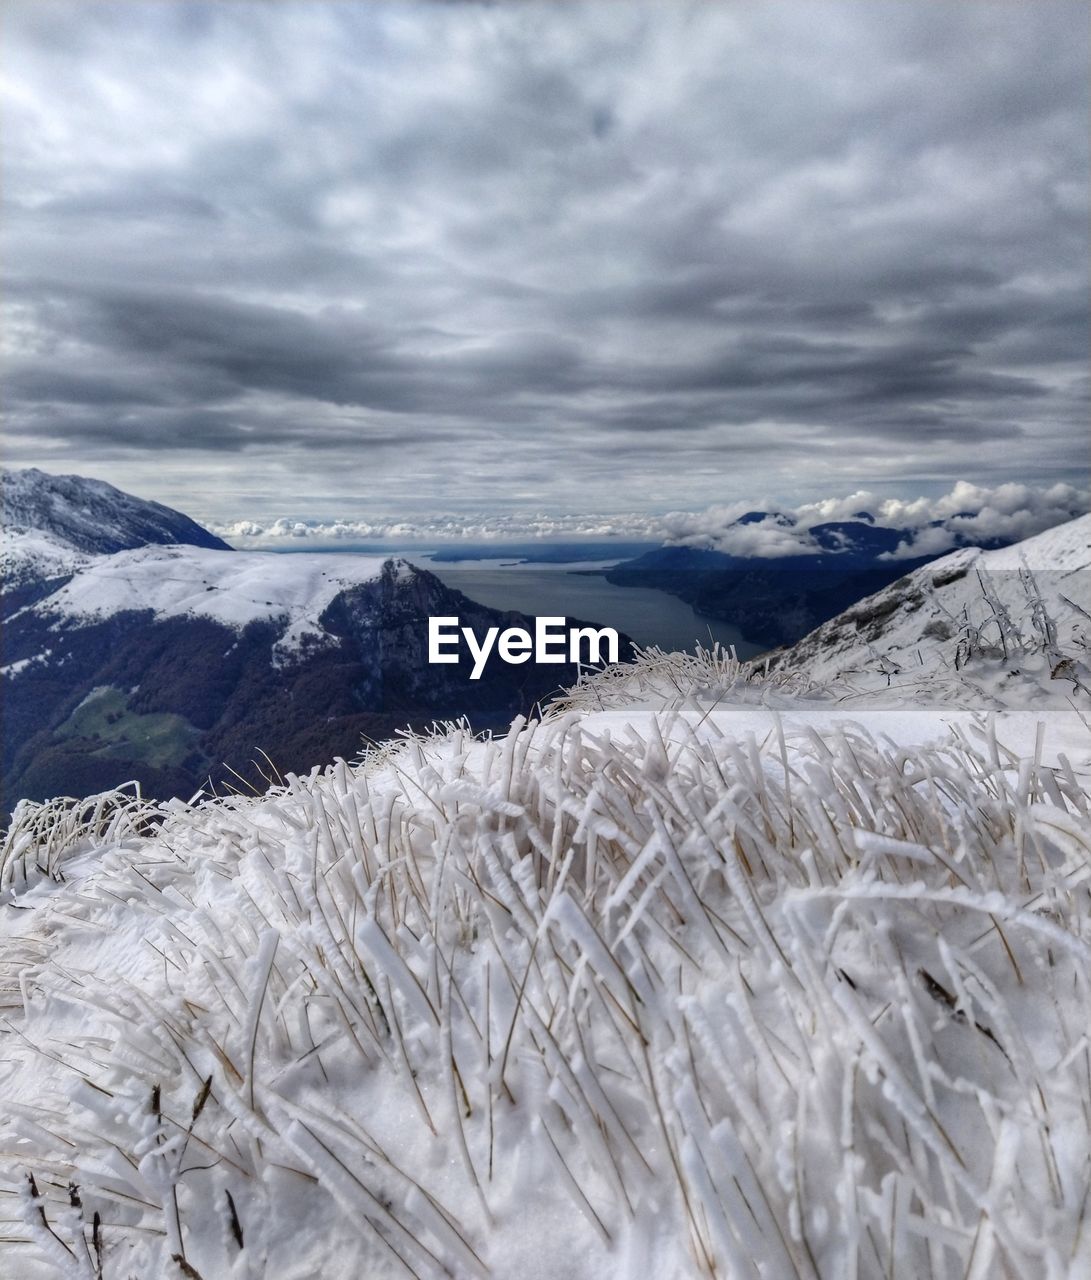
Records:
x=406, y=256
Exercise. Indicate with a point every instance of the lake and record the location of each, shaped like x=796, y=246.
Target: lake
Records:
x=651, y=617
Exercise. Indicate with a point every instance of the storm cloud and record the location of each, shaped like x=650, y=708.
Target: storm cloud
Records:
x=355, y=261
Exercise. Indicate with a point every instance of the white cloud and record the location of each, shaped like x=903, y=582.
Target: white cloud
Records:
x=967, y=513
x=970, y=513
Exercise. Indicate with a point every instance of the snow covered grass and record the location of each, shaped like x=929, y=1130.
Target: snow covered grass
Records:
x=42, y=834
x=714, y=671
x=624, y=993
x=1025, y=631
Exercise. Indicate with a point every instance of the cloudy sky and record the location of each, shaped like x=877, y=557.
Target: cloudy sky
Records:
x=352, y=260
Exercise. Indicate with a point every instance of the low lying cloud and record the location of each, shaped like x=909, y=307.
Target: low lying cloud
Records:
x=1010, y=512
x=968, y=513
x=480, y=527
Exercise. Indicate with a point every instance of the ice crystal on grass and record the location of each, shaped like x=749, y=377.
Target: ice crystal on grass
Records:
x=639, y=988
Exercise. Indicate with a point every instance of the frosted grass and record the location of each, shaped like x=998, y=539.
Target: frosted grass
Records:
x=593, y=999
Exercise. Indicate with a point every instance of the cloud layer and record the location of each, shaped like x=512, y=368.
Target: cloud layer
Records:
x=407, y=257
x=967, y=513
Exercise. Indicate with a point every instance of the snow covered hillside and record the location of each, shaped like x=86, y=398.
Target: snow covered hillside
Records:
x=92, y=516
x=53, y=526
x=1024, y=609
x=236, y=590
x=33, y=565
x=705, y=973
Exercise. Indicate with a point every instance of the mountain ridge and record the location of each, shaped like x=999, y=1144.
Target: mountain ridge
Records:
x=93, y=516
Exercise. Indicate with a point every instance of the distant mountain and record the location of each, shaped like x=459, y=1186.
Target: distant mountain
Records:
x=92, y=516
x=176, y=663
x=775, y=600
x=858, y=538
x=782, y=518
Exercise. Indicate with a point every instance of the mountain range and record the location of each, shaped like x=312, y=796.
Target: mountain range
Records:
x=777, y=599
x=136, y=645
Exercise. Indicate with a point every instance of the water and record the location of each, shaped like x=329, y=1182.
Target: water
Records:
x=651, y=617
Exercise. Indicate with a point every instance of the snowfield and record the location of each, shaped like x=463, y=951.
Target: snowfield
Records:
x=709, y=972
x=31, y=550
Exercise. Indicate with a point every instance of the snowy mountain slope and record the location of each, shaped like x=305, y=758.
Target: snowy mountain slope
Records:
x=173, y=666
x=31, y=549
x=1029, y=604
x=235, y=590
x=694, y=977
x=33, y=565
x=92, y=516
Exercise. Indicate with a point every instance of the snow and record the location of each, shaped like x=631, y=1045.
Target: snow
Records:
x=1064, y=548
x=23, y=664
x=707, y=972
x=234, y=589
x=918, y=638
x=90, y=515
x=695, y=976
x=908, y=725
x=33, y=551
